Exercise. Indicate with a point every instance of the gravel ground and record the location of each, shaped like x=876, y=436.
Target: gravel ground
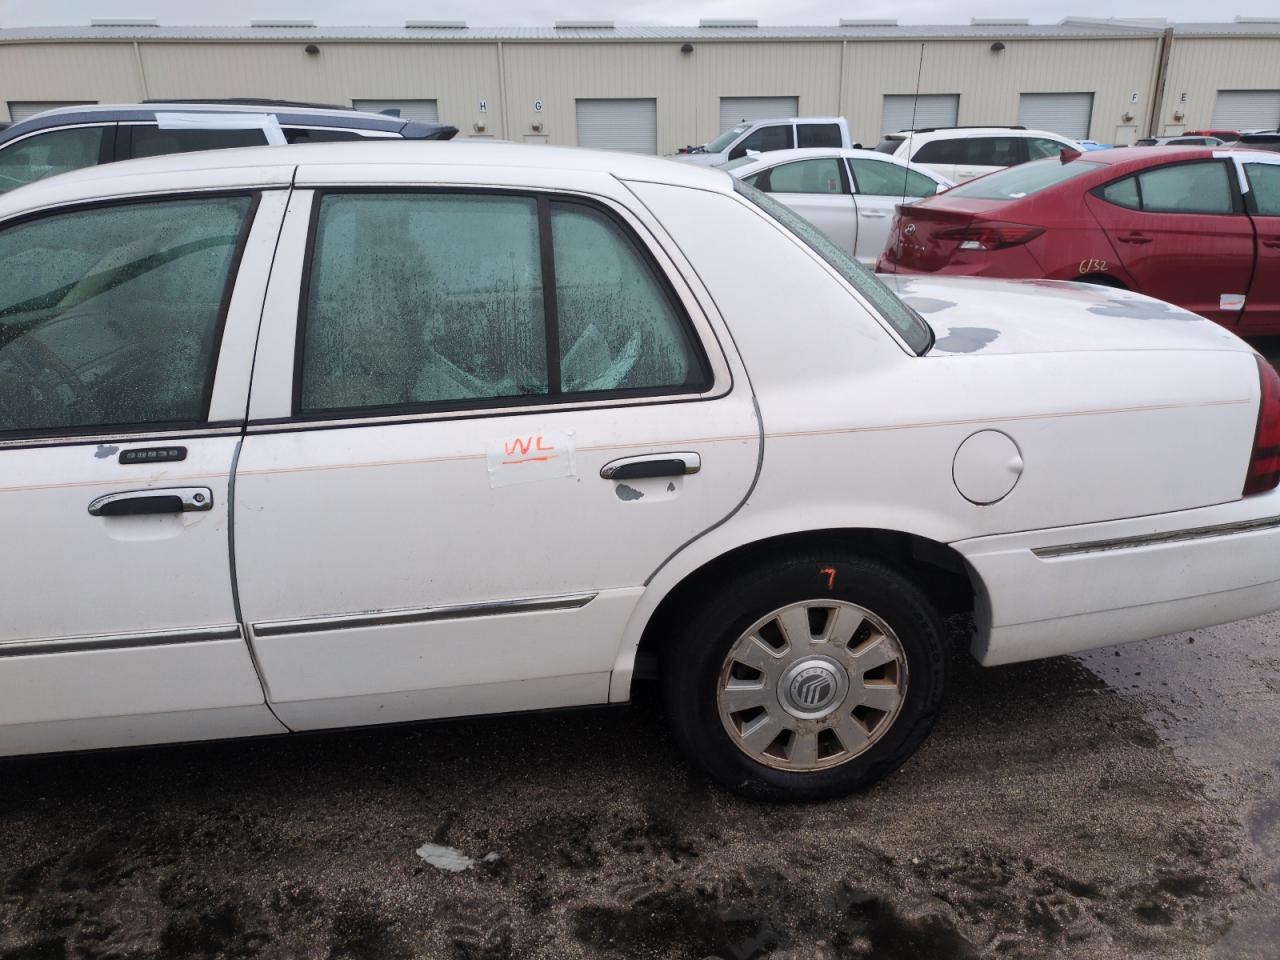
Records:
x=1119, y=805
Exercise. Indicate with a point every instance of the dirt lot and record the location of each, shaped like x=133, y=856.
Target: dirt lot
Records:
x=1120, y=805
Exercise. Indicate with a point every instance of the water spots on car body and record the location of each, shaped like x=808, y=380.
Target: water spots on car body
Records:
x=928, y=304
x=626, y=492
x=105, y=450
x=966, y=339
x=1142, y=309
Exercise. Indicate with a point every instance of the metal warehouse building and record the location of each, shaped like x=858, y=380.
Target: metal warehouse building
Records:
x=654, y=89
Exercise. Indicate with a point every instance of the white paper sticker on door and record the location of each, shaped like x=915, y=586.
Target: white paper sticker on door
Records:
x=529, y=457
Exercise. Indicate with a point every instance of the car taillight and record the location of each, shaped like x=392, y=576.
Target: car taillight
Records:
x=991, y=236
x=1264, y=462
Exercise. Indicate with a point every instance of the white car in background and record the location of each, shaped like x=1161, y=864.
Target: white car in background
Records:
x=962, y=153
x=850, y=195
x=297, y=438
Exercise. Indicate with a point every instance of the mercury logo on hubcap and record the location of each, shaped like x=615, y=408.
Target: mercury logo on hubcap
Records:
x=813, y=688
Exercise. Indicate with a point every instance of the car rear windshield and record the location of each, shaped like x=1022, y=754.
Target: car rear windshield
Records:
x=909, y=324
x=889, y=144
x=740, y=162
x=1023, y=180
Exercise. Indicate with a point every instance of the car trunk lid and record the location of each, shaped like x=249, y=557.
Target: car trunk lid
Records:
x=972, y=315
x=918, y=238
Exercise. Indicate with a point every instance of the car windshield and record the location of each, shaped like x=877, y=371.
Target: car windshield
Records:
x=1024, y=180
x=722, y=142
x=909, y=324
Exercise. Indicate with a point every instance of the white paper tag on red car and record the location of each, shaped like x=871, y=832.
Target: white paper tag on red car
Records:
x=1231, y=301
x=531, y=456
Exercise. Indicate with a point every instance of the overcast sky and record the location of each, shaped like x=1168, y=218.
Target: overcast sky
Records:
x=24, y=13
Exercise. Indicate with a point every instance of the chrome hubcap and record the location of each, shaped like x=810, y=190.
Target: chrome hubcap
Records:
x=812, y=685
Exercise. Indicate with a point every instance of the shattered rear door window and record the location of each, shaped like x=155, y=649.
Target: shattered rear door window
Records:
x=423, y=298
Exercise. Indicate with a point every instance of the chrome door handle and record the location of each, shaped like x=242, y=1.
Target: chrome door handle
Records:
x=132, y=503
x=874, y=215
x=651, y=465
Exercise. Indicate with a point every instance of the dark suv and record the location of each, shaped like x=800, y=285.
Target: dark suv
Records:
x=69, y=138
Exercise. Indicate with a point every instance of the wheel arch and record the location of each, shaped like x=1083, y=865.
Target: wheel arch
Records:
x=936, y=568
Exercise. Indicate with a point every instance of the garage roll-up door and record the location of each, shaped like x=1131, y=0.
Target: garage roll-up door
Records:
x=630, y=125
x=734, y=110
x=931, y=110
x=1065, y=113
x=20, y=110
x=1246, y=110
x=423, y=111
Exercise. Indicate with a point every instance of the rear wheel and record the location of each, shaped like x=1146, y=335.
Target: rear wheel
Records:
x=807, y=677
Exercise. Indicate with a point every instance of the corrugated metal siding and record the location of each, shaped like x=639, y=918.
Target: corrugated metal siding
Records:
x=456, y=76
x=1199, y=68
x=907, y=111
x=990, y=83
x=422, y=110
x=1247, y=110
x=630, y=125
x=1066, y=113
x=734, y=110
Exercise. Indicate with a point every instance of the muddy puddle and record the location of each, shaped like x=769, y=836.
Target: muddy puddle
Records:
x=1061, y=809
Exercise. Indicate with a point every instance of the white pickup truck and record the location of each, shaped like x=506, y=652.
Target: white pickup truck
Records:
x=761, y=136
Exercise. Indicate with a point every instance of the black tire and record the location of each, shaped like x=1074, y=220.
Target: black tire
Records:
x=693, y=660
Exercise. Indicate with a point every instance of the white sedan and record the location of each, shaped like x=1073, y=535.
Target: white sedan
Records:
x=321, y=436
x=849, y=195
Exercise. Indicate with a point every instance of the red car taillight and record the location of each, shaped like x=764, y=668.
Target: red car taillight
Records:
x=1264, y=462
x=991, y=236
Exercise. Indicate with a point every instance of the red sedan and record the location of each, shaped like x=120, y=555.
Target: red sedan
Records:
x=1195, y=226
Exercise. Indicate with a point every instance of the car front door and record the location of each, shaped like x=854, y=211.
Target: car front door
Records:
x=1262, y=308
x=879, y=186
x=818, y=190
x=118, y=431
x=773, y=136
x=478, y=425
x=1180, y=232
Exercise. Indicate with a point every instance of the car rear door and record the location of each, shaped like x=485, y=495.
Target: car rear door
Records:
x=481, y=418
x=126, y=339
x=817, y=189
x=1180, y=232
x=879, y=186
x=1262, y=308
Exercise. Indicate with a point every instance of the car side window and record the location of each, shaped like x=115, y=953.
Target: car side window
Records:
x=1196, y=187
x=1039, y=148
x=419, y=298
x=820, y=175
x=46, y=154
x=993, y=151
x=1264, y=185
x=775, y=137
x=317, y=135
x=440, y=299
x=111, y=315
x=149, y=140
x=1123, y=193
x=881, y=179
x=941, y=151
x=818, y=135
x=618, y=327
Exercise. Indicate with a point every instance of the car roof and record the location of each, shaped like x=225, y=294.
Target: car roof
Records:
x=258, y=167
x=112, y=112
x=752, y=123
x=772, y=158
